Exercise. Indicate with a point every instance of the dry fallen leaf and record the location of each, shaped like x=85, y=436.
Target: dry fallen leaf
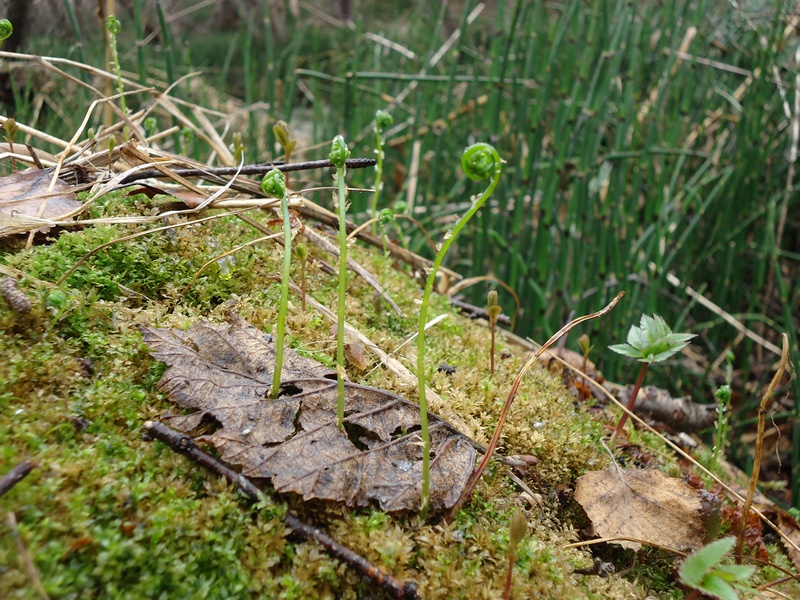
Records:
x=223, y=372
x=643, y=504
x=25, y=194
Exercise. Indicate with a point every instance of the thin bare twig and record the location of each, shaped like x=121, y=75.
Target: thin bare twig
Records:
x=184, y=444
x=33, y=574
x=15, y=475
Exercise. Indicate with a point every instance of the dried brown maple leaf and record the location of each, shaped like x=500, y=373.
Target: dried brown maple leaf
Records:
x=643, y=504
x=223, y=372
x=25, y=194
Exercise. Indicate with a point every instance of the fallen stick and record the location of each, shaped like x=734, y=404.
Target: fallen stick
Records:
x=260, y=169
x=184, y=444
x=15, y=475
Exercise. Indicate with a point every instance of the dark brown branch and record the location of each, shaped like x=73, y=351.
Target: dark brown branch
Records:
x=259, y=169
x=477, y=312
x=682, y=414
x=15, y=475
x=184, y=444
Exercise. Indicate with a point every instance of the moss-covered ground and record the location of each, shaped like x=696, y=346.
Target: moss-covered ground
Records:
x=107, y=514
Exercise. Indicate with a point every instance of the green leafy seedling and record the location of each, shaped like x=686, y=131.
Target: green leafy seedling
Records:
x=479, y=162
x=494, y=311
x=383, y=120
x=704, y=572
x=651, y=342
x=274, y=185
x=723, y=396
x=516, y=533
x=338, y=156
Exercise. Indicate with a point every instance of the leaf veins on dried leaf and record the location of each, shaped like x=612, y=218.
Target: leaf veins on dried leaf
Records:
x=644, y=504
x=224, y=373
x=24, y=194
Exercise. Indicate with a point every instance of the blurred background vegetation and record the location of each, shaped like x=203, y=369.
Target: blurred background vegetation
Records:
x=651, y=146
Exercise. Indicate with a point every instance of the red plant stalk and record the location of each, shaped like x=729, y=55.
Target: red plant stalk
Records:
x=507, y=590
x=582, y=389
x=491, y=358
x=303, y=286
x=631, y=402
x=478, y=472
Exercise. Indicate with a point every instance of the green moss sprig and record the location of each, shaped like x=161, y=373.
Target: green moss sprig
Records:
x=113, y=26
x=383, y=120
x=274, y=185
x=338, y=156
x=479, y=162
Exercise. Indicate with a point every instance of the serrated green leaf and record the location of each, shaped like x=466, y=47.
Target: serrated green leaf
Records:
x=625, y=350
x=636, y=338
x=735, y=573
x=697, y=565
x=719, y=588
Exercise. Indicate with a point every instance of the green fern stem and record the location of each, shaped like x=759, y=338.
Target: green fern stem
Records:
x=338, y=156
x=480, y=161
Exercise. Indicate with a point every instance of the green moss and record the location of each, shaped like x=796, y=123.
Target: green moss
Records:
x=106, y=513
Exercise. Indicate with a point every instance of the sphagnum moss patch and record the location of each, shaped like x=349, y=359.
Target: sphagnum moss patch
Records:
x=108, y=513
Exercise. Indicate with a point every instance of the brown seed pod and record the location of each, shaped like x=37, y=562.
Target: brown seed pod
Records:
x=17, y=301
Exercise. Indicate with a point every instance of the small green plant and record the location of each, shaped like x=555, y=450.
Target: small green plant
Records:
x=651, y=342
x=494, y=310
x=11, y=128
x=704, y=572
x=274, y=185
x=338, y=156
x=238, y=148
x=285, y=141
x=516, y=533
x=385, y=218
x=6, y=29
x=301, y=250
x=187, y=136
x=113, y=26
x=723, y=396
x=585, y=345
x=383, y=120
x=479, y=162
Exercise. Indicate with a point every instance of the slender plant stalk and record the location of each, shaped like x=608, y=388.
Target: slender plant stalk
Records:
x=480, y=161
x=382, y=120
x=478, y=472
x=631, y=403
x=507, y=588
x=274, y=184
x=494, y=311
x=338, y=156
x=762, y=417
x=302, y=253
